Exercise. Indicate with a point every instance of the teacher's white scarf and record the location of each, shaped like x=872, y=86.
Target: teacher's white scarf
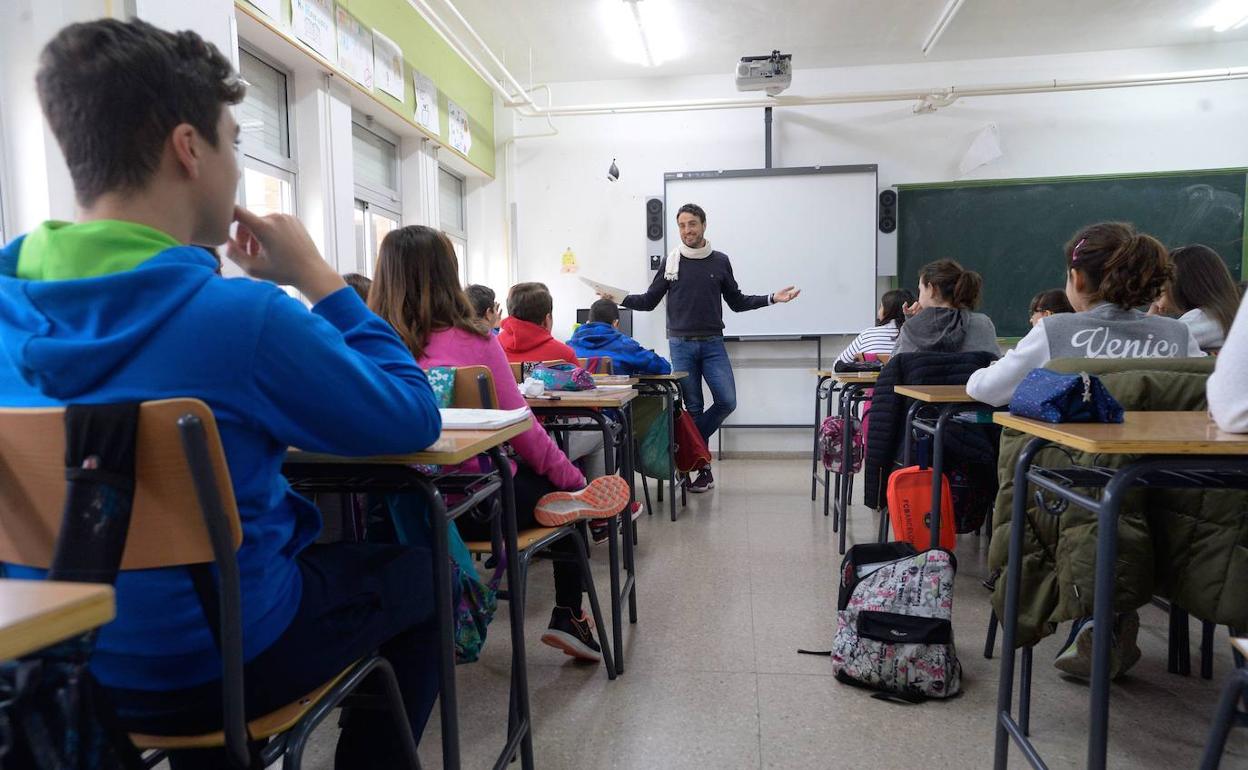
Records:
x=672, y=272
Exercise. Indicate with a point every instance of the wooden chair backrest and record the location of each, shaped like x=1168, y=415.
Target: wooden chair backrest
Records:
x=166, y=524
x=596, y=365
x=515, y=371
x=467, y=394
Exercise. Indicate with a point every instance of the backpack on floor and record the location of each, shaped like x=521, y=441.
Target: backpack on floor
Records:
x=832, y=444
x=893, y=622
x=692, y=453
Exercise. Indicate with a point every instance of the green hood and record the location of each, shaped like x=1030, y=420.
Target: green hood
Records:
x=59, y=251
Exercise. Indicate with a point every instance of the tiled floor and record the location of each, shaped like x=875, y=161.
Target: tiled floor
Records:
x=726, y=595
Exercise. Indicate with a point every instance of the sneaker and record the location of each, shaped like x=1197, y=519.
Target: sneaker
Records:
x=574, y=635
x=604, y=497
x=1126, y=630
x=704, y=483
x=599, y=528
x=1075, y=658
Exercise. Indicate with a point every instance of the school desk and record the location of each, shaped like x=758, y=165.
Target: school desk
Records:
x=853, y=388
x=1178, y=450
x=318, y=472
x=39, y=613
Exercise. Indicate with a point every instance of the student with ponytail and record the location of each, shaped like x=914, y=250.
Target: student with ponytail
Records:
x=1111, y=270
x=942, y=321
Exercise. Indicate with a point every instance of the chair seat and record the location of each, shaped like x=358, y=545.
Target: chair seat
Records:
x=272, y=723
x=525, y=538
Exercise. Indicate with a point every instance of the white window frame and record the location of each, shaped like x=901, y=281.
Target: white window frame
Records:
x=364, y=264
x=457, y=235
x=381, y=197
x=261, y=158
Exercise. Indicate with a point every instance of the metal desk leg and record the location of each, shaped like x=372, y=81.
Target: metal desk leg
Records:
x=814, y=454
x=446, y=625
x=938, y=469
x=627, y=524
x=515, y=609
x=850, y=397
x=907, y=450
x=840, y=475
x=613, y=545
x=672, y=390
x=1005, y=724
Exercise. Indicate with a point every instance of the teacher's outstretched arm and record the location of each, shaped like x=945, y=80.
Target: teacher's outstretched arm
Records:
x=740, y=302
x=650, y=300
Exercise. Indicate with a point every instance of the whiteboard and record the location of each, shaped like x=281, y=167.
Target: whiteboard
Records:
x=813, y=228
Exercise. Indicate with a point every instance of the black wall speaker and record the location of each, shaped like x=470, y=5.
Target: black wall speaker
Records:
x=654, y=231
x=888, y=211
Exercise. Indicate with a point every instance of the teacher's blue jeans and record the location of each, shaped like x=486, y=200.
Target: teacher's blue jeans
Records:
x=705, y=358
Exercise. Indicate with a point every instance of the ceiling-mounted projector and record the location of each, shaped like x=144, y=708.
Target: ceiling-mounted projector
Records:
x=772, y=73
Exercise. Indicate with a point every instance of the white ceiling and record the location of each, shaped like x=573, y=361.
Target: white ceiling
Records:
x=569, y=40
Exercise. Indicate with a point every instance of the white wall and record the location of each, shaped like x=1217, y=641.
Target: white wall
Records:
x=564, y=199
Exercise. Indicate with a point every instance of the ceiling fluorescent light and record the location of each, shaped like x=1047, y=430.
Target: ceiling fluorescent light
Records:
x=642, y=31
x=1225, y=15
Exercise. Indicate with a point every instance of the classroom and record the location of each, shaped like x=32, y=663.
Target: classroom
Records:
x=329, y=324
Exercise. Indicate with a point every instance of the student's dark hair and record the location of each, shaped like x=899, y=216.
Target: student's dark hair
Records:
x=1050, y=301
x=1202, y=280
x=604, y=311
x=481, y=297
x=692, y=208
x=893, y=302
x=361, y=284
x=1123, y=267
x=955, y=285
x=416, y=287
x=530, y=302
x=112, y=91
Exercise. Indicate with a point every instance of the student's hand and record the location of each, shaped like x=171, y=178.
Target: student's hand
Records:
x=277, y=248
x=787, y=294
x=912, y=308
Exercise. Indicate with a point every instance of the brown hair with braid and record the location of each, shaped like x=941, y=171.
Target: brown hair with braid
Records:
x=1123, y=267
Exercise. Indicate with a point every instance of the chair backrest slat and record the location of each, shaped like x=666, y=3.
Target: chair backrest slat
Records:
x=467, y=393
x=166, y=525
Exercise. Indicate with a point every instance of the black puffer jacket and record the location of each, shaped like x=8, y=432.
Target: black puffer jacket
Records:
x=974, y=443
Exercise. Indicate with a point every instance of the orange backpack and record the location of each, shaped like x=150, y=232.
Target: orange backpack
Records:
x=909, y=498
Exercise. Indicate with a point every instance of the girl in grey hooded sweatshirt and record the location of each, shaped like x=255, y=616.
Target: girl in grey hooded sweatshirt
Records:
x=943, y=321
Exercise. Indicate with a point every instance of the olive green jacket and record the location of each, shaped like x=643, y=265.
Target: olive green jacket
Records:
x=1188, y=545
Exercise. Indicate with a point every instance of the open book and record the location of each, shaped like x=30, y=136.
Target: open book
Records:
x=612, y=293
x=481, y=419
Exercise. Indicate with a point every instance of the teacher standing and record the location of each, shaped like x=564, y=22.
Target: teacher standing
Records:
x=695, y=277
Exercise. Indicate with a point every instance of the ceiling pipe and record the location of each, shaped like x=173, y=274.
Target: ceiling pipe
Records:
x=942, y=23
x=524, y=104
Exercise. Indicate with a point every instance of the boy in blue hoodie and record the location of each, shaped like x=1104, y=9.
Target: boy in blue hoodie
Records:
x=602, y=337
x=119, y=306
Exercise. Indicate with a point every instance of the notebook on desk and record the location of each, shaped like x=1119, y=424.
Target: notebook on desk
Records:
x=481, y=419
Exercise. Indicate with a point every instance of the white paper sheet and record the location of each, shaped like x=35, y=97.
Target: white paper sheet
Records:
x=355, y=49
x=458, y=133
x=426, y=102
x=482, y=419
x=615, y=294
x=313, y=22
x=388, y=65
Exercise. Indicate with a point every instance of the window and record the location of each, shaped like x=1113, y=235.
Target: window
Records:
x=451, y=215
x=268, y=164
x=375, y=156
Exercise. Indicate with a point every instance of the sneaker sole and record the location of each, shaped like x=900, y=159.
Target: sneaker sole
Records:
x=570, y=645
x=605, y=497
x=697, y=490
x=1076, y=660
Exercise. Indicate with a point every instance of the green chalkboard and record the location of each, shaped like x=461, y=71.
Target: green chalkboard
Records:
x=1012, y=231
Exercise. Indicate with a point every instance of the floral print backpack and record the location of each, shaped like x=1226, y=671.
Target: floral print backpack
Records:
x=893, y=628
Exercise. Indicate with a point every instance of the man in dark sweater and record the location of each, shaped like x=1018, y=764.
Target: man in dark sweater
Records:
x=695, y=278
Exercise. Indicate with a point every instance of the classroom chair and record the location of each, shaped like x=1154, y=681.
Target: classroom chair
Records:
x=1231, y=710
x=596, y=364
x=474, y=389
x=184, y=515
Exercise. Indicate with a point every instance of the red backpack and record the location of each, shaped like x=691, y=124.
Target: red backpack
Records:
x=909, y=498
x=691, y=451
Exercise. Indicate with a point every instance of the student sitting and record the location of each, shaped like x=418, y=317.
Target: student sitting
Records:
x=417, y=290
x=118, y=307
x=942, y=321
x=360, y=283
x=526, y=329
x=880, y=339
x=602, y=337
x=1111, y=270
x=483, y=302
x=1202, y=294
x=1048, y=303
x=1228, y=396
